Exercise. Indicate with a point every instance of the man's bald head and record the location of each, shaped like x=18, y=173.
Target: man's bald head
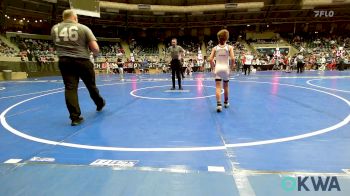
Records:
x=70, y=15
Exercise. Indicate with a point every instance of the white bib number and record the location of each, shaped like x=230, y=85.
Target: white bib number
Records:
x=68, y=34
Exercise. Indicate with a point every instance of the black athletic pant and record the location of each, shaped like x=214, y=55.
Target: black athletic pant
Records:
x=300, y=67
x=72, y=69
x=341, y=66
x=246, y=68
x=176, y=68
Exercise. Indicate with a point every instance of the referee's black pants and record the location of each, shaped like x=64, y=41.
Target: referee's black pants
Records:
x=72, y=69
x=300, y=67
x=176, y=68
x=246, y=68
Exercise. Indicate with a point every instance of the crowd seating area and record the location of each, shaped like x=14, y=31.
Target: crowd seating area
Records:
x=334, y=49
x=143, y=47
x=238, y=46
x=111, y=49
x=318, y=51
x=190, y=45
x=7, y=51
x=263, y=41
x=35, y=45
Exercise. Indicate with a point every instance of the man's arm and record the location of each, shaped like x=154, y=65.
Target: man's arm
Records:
x=53, y=36
x=92, y=41
x=183, y=51
x=168, y=56
x=94, y=47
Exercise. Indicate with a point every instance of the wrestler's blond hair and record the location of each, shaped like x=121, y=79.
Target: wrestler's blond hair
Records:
x=223, y=34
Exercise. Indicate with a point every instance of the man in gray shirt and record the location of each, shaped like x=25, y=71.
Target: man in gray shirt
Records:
x=73, y=42
x=176, y=53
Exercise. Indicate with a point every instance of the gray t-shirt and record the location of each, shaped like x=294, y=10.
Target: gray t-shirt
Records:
x=175, y=51
x=72, y=39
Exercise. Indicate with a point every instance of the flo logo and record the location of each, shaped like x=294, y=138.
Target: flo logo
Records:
x=310, y=183
x=324, y=13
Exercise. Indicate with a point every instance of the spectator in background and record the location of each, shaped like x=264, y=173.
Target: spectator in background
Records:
x=322, y=63
x=108, y=66
x=206, y=64
x=23, y=64
x=238, y=63
x=248, y=60
x=189, y=66
x=30, y=55
x=38, y=61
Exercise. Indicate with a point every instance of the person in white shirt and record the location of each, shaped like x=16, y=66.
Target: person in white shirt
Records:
x=108, y=66
x=248, y=62
x=277, y=53
x=323, y=63
x=257, y=61
x=189, y=66
x=224, y=55
x=119, y=66
x=288, y=64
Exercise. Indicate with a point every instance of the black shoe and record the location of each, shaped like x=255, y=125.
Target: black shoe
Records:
x=172, y=88
x=181, y=89
x=77, y=121
x=99, y=108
